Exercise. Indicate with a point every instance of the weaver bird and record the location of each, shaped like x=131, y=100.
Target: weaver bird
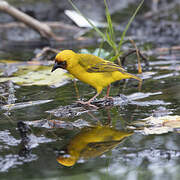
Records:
x=92, y=70
x=92, y=142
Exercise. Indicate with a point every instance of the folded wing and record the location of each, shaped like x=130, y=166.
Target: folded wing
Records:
x=94, y=64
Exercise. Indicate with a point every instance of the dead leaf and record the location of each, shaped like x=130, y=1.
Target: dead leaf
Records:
x=157, y=125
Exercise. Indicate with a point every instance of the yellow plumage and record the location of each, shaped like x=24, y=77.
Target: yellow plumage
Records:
x=91, y=69
x=92, y=142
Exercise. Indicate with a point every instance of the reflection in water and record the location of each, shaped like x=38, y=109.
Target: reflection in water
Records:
x=92, y=142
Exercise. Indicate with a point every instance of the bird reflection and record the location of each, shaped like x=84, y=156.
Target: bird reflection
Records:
x=92, y=142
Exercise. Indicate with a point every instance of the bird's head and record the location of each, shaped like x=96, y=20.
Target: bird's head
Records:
x=65, y=60
x=66, y=161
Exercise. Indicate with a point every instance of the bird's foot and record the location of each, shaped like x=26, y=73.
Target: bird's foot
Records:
x=110, y=98
x=87, y=103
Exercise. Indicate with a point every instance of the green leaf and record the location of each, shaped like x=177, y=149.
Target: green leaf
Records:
x=115, y=57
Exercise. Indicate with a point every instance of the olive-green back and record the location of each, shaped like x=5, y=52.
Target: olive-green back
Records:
x=93, y=63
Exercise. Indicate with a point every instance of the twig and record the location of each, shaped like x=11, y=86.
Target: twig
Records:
x=125, y=55
x=44, y=30
x=132, y=51
x=138, y=57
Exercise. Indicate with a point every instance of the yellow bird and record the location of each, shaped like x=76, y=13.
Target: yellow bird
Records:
x=92, y=142
x=92, y=70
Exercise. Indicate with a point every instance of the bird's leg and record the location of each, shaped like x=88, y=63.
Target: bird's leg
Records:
x=89, y=101
x=108, y=91
x=97, y=94
x=107, y=94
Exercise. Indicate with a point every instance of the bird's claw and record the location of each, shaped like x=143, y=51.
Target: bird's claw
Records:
x=109, y=98
x=87, y=103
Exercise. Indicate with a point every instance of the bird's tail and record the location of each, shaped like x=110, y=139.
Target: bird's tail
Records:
x=134, y=77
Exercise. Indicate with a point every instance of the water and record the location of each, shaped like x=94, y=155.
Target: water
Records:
x=108, y=143
x=138, y=156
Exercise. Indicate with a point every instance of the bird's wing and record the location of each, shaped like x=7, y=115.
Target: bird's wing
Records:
x=94, y=64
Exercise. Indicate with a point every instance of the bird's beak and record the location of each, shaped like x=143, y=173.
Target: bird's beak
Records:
x=61, y=64
x=56, y=65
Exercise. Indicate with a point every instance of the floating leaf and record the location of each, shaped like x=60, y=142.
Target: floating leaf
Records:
x=158, y=125
x=161, y=120
x=35, y=73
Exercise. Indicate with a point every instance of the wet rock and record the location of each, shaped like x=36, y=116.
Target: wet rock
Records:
x=28, y=139
x=23, y=129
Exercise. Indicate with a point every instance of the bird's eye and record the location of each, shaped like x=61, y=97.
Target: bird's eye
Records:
x=62, y=63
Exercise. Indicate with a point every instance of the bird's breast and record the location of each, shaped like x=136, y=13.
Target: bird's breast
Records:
x=97, y=80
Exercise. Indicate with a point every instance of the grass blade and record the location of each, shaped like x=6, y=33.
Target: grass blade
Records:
x=109, y=21
x=129, y=23
x=100, y=47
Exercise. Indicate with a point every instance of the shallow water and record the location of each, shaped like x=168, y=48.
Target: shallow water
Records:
x=107, y=143
x=138, y=156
